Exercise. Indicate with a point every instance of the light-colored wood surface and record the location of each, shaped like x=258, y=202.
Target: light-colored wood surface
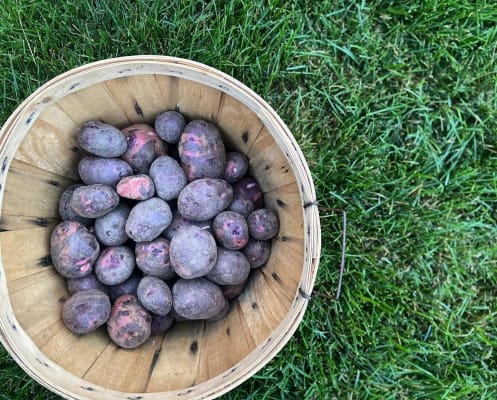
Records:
x=38, y=155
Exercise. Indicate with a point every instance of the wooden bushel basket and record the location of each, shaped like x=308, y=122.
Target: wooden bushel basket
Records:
x=38, y=160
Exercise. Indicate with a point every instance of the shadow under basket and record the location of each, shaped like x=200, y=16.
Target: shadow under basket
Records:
x=38, y=158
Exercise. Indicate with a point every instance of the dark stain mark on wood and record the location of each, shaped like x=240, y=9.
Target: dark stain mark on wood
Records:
x=30, y=118
x=42, y=362
x=124, y=70
x=276, y=277
x=138, y=109
x=194, y=347
x=254, y=306
x=45, y=261
x=4, y=164
x=11, y=323
x=75, y=149
x=280, y=203
x=311, y=203
x=304, y=294
x=176, y=108
x=283, y=238
x=155, y=358
x=245, y=136
x=43, y=222
x=88, y=388
x=134, y=397
x=267, y=167
x=53, y=183
x=228, y=332
x=46, y=100
x=61, y=300
x=185, y=393
x=74, y=85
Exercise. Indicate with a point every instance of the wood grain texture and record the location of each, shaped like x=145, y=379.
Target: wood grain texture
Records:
x=198, y=101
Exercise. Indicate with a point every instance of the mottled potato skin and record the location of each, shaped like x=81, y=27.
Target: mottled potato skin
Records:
x=168, y=176
x=148, y=219
x=107, y=171
x=263, y=224
x=202, y=151
x=203, y=199
x=85, y=311
x=257, y=252
x=129, y=324
x=169, y=125
x=236, y=167
x=129, y=286
x=115, y=265
x=109, y=228
x=179, y=223
x=143, y=147
x=75, y=285
x=93, y=201
x=231, y=268
x=231, y=230
x=154, y=295
x=101, y=139
x=224, y=311
x=73, y=249
x=231, y=292
x=241, y=205
x=193, y=252
x=136, y=187
x=197, y=298
x=249, y=188
x=153, y=258
x=66, y=212
x=161, y=323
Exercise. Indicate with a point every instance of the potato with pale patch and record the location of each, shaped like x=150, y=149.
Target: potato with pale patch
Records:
x=154, y=295
x=263, y=224
x=148, y=219
x=169, y=125
x=203, y=199
x=115, y=265
x=93, y=201
x=86, y=311
x=144, y=145
x=107, y=171
x=153, y=258
x=168, y=177
x=136, y=187
x=250, y=189
x=201, y=150
x=231, y=230
x=231, y=268
x=193, y=252
x=236, y=167
x=109, y=228
x=65, y=210
x=129, y=324
x=197, y=298
x=101, y=139
x=73, y=249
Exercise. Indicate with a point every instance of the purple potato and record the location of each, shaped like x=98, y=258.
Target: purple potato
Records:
x=161, y=323
x=231, y=268
x=179, y=223
x=241, y=205
x=93, y=201
x=193, y=252
x=154, y=295
x=231, y=230
x=168, y=176
x=109, y=228
x=136, y=187
x=222, y=314
x=169, y=125
x=153, y=258
x=144, y=145
x=86, y=311
x=197, y=298
x=73, y=249
x=148, y=219
x=202, y=151
x=257, y=252
x=129, y=286
x=263, y=224
x=129, y=324
x=115, y=265
x=107, y=171
x=236, y=167
x=203, y=199
x=231, y=292
x=249, y=188
x=75, y=285
x=65, y=210
x=101, y=139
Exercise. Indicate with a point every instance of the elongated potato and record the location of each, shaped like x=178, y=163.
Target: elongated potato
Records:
x=93, y=201
x=197, y=298
x=168, y=177
x=107, y=171
x=101, y=139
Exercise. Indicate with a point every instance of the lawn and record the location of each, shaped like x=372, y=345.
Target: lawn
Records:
x=394, y=105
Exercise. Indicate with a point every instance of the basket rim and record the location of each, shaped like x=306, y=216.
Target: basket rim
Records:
x=27, y=112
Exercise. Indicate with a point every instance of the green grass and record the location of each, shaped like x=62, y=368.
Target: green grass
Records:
x=394, y=106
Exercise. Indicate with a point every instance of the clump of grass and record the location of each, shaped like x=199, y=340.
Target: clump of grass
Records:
x=394, y=107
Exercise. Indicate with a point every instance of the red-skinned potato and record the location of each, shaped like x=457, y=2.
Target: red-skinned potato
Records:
x=136, y=187
x=202, y=151
x=86, y=311
x=73, y=249
x=129, y=324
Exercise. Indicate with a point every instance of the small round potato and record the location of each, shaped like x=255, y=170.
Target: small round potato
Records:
x=129, y=324
x=249, y=188
x=93, y=201
x=231, y=268
x=153, y=258
x=236, y=167
x=65, y=210
x=73, y=249
x=161, y=323
x=169, y=125
x=109, y=228
x=148, y=219
x=101, y=139
x=231, y=230
x=263, y=224
x=193, y=252
x=197, y=298
x=144, y=145
x=75, y=285
x=85, y=311
x=241, y=205
x=115, y=265
x=257, y=252
x=154, y=295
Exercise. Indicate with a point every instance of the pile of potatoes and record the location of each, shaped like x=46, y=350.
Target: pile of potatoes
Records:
x=165, y=226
